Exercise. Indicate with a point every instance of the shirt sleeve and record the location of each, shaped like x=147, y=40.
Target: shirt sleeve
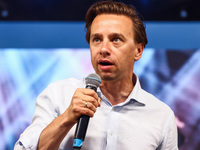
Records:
x=170, y=138
x=45, y=112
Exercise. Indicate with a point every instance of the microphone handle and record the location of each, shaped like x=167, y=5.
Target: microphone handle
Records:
x=81, y=127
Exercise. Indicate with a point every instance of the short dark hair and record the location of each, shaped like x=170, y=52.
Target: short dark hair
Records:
x=118, y=8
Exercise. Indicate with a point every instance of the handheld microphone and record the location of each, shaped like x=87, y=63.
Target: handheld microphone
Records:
x=93, y=81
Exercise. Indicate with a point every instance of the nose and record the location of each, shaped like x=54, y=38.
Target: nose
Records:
x=105, y=49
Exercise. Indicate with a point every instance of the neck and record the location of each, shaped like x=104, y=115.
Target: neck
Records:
x=117, y=91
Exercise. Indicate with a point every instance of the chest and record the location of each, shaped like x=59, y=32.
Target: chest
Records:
x=118, y=128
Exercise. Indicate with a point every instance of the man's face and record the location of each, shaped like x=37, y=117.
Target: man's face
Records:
x=112, y=46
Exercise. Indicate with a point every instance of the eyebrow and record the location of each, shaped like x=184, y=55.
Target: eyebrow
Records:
x=96, y=35
x=116, y=35
x=110, y=35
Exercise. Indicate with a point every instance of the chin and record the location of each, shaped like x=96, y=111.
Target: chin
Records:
x=107, y=77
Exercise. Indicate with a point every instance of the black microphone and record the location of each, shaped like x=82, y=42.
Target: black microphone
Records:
x=93, y=81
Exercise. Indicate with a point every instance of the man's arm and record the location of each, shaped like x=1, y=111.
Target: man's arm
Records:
x=47, y=129
x=53, y=134
x=170, y=140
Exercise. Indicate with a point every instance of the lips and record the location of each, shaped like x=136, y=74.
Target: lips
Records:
x=105, y=64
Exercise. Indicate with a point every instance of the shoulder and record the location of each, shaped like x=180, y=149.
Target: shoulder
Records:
x=62, y=88
x=58, y=94
x=67, y=83
x=154, y=103
x=150, y=101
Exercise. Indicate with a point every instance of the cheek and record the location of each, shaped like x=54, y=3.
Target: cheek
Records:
x=128, y=58
x=93, y=56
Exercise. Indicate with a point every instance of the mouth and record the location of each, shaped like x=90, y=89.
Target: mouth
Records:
x=105, y=63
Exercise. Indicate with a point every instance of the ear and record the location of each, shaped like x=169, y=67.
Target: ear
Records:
x=139, y=51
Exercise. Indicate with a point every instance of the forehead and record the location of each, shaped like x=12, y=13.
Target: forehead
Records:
x=112, y=23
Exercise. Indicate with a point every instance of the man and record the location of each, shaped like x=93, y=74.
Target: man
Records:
x=123, y=116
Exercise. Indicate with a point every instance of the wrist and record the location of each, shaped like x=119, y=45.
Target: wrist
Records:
x=66, y=122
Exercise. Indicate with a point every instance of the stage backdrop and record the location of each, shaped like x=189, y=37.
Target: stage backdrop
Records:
x=172, y=76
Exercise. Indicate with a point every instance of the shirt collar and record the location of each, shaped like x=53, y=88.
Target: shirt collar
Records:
x=135, y=95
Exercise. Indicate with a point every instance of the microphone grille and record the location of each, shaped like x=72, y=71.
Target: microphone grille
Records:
x=93, y=79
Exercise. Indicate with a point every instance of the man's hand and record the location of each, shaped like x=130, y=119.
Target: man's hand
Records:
x=82, y=98
x=84, y=102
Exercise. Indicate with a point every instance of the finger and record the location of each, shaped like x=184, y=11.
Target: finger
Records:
x=90, y=92
x=90, y=99
x=83, y=93
x=79, y=108
x=79, y=103
x=99, y=101
x=90, y=106
x=86, y=104
x=89, y=110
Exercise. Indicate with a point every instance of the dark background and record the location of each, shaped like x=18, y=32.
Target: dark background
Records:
x=73, y=10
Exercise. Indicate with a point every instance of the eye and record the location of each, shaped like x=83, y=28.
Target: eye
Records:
x=116, y=40
x=96, y=40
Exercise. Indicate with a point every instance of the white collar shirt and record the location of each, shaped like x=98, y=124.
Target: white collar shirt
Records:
x=142, y=122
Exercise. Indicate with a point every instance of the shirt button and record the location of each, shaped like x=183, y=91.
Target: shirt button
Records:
x=111, y=133
x=20, y=143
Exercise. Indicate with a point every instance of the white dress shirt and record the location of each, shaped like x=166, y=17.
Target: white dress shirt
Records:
x=142, y=122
